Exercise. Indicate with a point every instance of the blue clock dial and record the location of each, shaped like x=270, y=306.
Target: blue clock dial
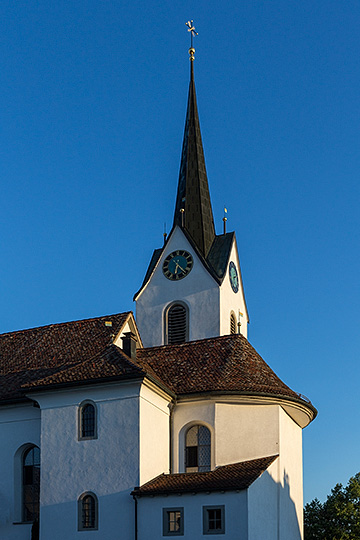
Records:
x=234, y=278
x=177, y=265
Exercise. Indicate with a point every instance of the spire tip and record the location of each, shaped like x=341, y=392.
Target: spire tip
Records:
x=191, y=29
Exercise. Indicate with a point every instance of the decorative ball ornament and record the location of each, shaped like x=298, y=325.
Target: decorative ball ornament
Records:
x=177, y=265
x=234, y=278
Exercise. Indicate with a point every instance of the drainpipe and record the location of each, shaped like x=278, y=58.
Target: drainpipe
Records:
x=136, y=517
x=171, y=418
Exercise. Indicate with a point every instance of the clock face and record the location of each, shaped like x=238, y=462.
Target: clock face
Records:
x=177, y=265
x=234, y=278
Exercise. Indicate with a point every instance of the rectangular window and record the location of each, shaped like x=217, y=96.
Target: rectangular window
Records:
x=173, y=521
x=214, y=519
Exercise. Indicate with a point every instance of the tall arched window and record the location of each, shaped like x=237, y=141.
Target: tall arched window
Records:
x=198, y=449
x=176, y=324
x=232, y=323
x=31, y=484
x=87, y=420
x=87, y=512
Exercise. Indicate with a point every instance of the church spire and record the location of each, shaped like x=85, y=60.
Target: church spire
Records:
x=193, y=210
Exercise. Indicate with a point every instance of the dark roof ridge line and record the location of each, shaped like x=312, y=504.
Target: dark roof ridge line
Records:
x=64, y=323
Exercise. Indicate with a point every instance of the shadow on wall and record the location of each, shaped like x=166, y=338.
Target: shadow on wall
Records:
x=272, y=511
x=116, y=516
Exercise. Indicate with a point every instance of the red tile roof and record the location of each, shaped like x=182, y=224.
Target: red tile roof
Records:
x=221, y=364
x=236, y=476
x=81, y=352
x=28, y=356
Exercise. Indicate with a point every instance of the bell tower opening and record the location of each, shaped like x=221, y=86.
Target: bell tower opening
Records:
x=176, y=323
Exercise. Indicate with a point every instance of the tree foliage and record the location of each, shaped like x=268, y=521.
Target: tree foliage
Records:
x=338, y=518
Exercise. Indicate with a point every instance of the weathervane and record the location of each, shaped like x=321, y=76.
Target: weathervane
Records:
x=191, y=29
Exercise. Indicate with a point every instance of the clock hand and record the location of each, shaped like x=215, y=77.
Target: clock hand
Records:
x=181, y=268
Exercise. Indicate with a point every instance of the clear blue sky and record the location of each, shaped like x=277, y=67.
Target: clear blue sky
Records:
x=93, y=99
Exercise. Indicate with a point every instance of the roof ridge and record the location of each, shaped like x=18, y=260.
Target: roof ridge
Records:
x=64, y=323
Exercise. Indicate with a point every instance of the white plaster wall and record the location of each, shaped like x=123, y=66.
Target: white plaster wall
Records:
x=108, y=465
x=19, y=426
x=291, y=479
x=239, y=432
x=230, y=301
x=150, y=514
x=198, y=290
x=184, y=416
x=263, y=505
x=245, y=432
x=276, y=499
x=154, y=434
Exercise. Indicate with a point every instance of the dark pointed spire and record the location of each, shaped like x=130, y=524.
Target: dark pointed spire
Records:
x=193, y=190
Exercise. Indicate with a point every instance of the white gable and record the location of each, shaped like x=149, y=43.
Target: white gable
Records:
x=198, y=290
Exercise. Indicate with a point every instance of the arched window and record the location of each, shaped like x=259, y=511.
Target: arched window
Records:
x=176, y=323
x=198, y=449
x=232, y=323
x=31, y=484
x=87, y=420
x=87, y=512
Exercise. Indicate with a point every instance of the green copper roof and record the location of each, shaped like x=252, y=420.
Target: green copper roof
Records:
x=193, y=190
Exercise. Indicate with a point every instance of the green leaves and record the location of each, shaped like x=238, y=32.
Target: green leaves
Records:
x=338, y=518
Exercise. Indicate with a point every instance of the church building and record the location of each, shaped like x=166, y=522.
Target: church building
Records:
x=170, y=424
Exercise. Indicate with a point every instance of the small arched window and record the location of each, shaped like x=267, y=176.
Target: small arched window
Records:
x=87, y=512
x=198, y=449
x=87, y=420
x=31, y=484
x=176, y=324
x=232, y=323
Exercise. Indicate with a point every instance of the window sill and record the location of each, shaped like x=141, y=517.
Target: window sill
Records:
x=23, y=522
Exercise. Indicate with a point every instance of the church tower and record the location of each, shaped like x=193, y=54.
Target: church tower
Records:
x=193, y=287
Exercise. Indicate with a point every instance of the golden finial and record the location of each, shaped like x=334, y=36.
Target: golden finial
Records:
x=191, y=29
x=225, y=219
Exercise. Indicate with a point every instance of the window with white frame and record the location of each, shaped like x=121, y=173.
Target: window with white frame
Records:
x=87, y=421
x=173, y=521
x=198, y=449
x=214, y=519
x=87, y=512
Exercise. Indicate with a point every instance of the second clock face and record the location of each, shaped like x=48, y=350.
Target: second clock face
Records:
x=177, y=265
x=234, y=278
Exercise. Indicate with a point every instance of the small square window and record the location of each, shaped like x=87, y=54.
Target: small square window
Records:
x=173, y=521
x=214, y=519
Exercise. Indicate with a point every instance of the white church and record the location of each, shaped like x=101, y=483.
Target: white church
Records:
x=170, y=425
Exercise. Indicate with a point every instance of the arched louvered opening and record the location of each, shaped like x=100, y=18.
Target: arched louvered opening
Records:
x=198, y=449
x=177, y=324
x=232, y=324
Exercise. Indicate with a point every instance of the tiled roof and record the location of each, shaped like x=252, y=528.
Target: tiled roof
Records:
x=28, y=356
x=236, y=476
x=110, y=363
x=81, y=352
x=221, y=364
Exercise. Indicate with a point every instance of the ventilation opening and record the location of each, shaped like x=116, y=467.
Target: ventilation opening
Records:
x=177, y=324
x=232, y=324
